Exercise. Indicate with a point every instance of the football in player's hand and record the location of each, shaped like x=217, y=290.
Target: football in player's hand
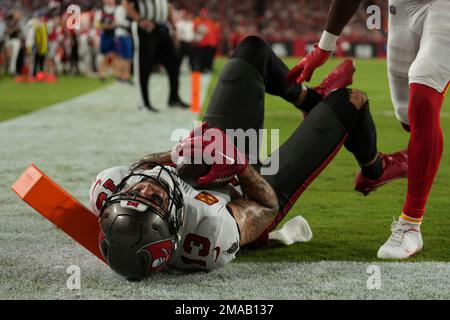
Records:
x=191, y=172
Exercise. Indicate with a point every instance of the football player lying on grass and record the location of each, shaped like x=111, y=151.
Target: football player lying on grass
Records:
x=151, y=218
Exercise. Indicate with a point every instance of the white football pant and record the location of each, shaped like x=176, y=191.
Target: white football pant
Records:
x=418, y=48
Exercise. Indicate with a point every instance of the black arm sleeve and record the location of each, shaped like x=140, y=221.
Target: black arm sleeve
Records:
x=341, y=12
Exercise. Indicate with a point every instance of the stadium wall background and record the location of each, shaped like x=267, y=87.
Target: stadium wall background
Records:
x=234, y=13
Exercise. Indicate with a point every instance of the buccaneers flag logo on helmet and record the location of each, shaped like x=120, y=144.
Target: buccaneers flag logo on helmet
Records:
x=159, y=253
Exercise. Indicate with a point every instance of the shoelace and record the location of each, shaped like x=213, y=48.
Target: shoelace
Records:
x=330, y=79
x=398, y=232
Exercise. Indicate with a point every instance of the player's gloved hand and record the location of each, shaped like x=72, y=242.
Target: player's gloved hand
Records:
x=228, y=161
x=199, y=130
x=189, y=151
x=216, y=149
x=177, y=151
x=305, y=69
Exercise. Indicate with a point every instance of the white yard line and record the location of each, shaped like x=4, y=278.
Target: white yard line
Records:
x=284, y=280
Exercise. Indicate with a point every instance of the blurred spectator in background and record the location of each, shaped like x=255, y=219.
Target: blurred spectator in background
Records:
x=40, y=47
x=14, y=40
x=105, y=22
x=214, y=38
x=73, y=50
x=200, y=31
x=55, y=36
x=124, y=43
x=280, y=20
x=2, y=43
x=206, y=41
x=185, y=37
x=221, y=25
x=89, y=44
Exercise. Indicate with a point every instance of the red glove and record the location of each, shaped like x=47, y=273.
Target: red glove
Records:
x=228, y=160
x=217, y=150
x=198, y=131
x=304, y=70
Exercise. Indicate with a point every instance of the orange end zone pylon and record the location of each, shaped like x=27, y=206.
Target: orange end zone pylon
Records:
x=196, y=91
x=59, y=207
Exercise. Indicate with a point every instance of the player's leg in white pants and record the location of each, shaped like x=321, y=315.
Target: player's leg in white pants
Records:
x=403, y=46
x=429, y=76
x=432, y=64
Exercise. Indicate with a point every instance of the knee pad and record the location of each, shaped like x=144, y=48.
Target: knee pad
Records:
x=255, y=51
x=251, y=43
x=345, y=111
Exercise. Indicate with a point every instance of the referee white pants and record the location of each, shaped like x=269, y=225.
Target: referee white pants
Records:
x=418, y=48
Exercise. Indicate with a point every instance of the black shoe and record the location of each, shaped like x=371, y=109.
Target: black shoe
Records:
x=147, y=109
x=178, y=103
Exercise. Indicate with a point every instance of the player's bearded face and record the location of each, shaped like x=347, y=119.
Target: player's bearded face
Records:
x=149, y=189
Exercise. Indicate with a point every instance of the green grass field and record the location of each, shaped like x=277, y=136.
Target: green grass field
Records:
x=346, y=225
x=17, y=99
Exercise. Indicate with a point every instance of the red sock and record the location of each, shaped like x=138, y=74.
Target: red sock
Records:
x=425, y=146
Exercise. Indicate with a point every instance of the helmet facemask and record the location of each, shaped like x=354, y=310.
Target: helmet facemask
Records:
x=139, y=234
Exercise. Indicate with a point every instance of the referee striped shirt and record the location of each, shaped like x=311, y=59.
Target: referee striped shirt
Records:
x=154, y=10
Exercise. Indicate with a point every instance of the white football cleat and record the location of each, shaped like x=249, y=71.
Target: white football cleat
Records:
x=294, y=231
x=405, y=241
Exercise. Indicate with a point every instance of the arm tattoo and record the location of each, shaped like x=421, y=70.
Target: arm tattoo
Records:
x=256, y=212
x=340, y=14
x=256, y=188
